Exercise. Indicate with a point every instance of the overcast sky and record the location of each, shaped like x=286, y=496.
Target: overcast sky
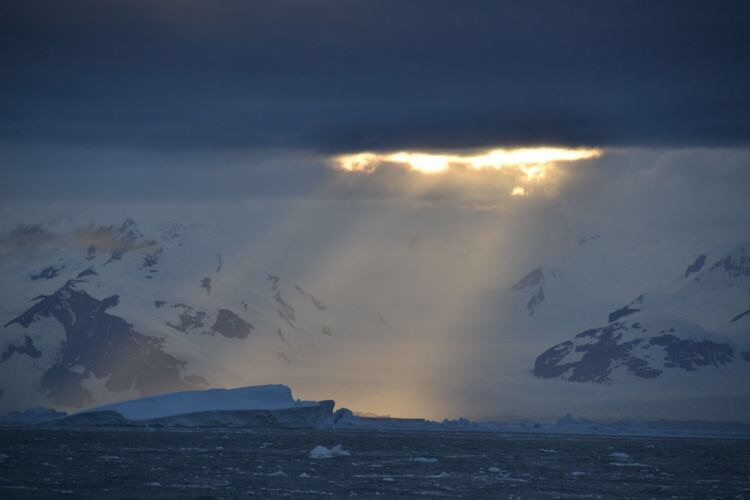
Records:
x=152, y=99
x=343, y=76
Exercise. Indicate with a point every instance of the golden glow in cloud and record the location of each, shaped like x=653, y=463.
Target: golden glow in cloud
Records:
x=532, y=162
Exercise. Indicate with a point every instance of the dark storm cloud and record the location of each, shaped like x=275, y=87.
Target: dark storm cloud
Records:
x=350, y=75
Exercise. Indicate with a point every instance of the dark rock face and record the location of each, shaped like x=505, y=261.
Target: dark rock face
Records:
x=740, y=316
x=735, y=265
x=532, y=284
x=231, y=325
x=317, y=303
x=100, y=344
x=86, y=272
x=47, y=273
x=595, y=353
x=190, y=319
x=285, y=310
x=696, y=266
x=119, y=241
x=626, y=310
x=28, y=348
x=536, y=299
x=152, y=259
x=532, y=279
x=691, y=355
x=621, y=313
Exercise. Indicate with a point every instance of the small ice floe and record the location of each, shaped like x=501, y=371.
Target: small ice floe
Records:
x=424, y=460
x=388, y=479
x=323, y=452
x=304, y=475
x=154, y=483
x=278, y=473
x=442, y=475
x=493, y=469
x=578, y=473
x=624, y=460
x=547, y=450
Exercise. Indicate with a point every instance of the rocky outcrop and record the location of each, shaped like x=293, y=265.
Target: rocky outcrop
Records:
x=231, y=325
x=644, y=348
x=95, y=344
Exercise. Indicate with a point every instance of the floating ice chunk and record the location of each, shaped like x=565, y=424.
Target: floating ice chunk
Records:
x=577, y=473
x=424, y=460
x=493, y=469
x=389, y=479
x=619, y=455
x=547, y=450
x=323, y=452
x=277, y=473
x=439, y=476
x=304, y=474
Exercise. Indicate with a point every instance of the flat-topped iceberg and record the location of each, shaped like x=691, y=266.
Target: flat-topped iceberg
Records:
x=259, y=397
x=264, y=406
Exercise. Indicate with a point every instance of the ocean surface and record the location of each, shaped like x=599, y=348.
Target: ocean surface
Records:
x=274, y=463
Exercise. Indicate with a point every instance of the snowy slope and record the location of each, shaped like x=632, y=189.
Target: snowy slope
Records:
x=691, y=325
x=106, y=304
x=100, y=312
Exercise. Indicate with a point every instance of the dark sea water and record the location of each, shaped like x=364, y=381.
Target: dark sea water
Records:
x=217, y=464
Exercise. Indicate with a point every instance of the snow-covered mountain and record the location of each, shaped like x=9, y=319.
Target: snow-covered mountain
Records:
x=100, y=313
x=696, y=324
x=110, y=304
